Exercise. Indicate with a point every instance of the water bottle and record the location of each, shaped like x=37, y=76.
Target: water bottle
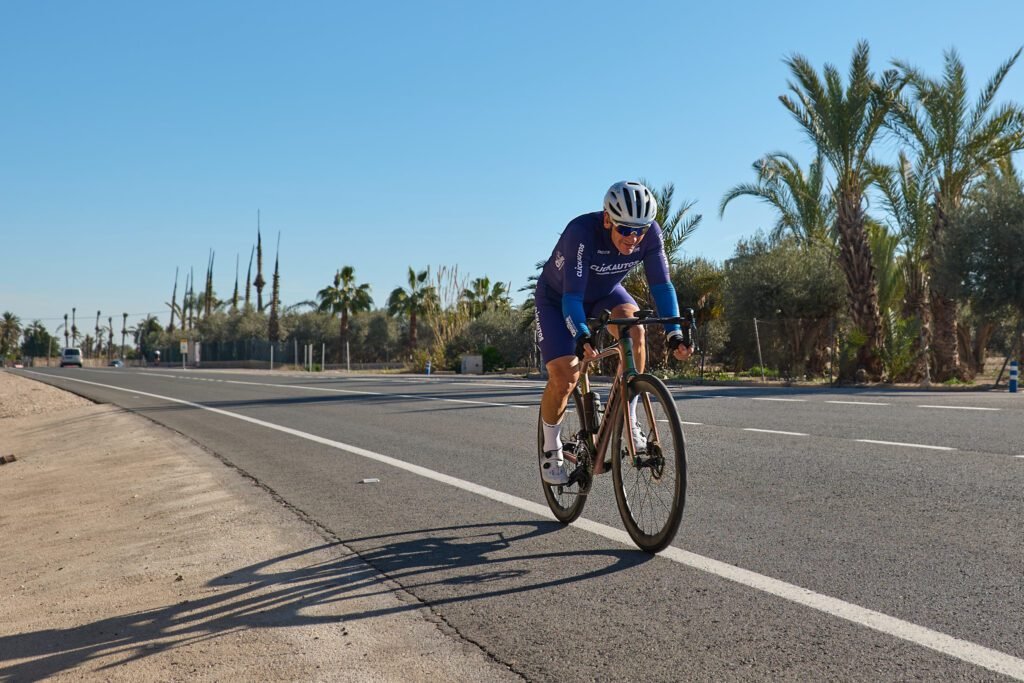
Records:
x=592, y=411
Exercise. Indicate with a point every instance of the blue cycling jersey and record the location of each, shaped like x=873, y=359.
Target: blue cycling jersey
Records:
x=585, y=266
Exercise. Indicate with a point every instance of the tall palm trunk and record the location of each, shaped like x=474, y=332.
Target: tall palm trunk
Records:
x=343, y=335
x=861, y=283
x=918, y=306
x=945, y=343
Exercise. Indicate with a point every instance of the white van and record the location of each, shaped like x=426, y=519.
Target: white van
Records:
x=71, y=356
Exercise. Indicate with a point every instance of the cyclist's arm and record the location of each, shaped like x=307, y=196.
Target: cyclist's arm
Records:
x=662, y=291
x=574, y=284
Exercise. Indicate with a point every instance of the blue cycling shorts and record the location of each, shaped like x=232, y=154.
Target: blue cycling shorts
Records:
x=553, y=336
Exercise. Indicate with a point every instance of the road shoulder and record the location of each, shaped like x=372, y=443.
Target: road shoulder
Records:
x=130, y=553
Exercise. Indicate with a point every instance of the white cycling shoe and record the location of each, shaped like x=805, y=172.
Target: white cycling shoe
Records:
x=552, y=468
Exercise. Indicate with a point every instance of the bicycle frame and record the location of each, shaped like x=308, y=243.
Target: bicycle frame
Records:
x=616, y=405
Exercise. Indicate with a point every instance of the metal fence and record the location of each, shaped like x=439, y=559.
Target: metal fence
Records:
x=243, y=350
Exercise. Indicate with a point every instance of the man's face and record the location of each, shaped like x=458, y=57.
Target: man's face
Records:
x=626, y=244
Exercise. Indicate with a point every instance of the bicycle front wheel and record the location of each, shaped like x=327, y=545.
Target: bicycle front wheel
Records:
x=650, y=486
x=567, y=501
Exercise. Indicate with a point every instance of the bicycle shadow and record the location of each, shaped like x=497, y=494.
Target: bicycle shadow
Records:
x=440, y=566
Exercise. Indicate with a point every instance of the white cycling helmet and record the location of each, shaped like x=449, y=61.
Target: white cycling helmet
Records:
x=630, y=203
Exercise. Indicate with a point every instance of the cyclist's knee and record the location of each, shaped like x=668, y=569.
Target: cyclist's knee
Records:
x=563, y=374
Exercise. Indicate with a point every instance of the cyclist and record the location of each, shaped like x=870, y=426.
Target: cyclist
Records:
x=584, y=275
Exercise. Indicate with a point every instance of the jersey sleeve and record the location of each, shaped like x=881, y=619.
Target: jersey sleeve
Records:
x=574, y=281
x=656, y=269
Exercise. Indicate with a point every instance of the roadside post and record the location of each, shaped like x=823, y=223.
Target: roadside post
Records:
x=184, y=352
x=1013, y=377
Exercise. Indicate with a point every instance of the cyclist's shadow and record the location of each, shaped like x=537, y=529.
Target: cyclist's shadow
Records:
x=438, y=566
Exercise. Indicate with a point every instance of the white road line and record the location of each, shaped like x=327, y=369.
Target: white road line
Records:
x=858, y=403
x=375, y=393
x=959, y=408
x=700, y=423
x=908, y=445
x=982, y=656
x=788, y=400
x=774, y=431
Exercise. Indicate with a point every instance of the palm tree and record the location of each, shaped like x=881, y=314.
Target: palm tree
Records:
x=10, y=333
x=345, y=297
x=412, y=302
x=37, y=339
x=805, y=209
x=481, y=296
x=962, y=143
x=676, y=226
x=147, y=334
x=906, y=193
x=843, y=123
x=124, y=331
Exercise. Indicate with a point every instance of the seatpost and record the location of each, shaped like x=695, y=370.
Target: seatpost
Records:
x=584, y=378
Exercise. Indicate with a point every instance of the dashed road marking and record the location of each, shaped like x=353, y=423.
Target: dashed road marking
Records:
x=858, y=403
x=959, y=408
x=774, y=431
x=908, y=445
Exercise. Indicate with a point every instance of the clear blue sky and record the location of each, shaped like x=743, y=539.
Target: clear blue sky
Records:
x=135, y=137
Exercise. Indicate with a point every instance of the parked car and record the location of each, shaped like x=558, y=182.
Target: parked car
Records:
x=71, y=356
x=116, y=363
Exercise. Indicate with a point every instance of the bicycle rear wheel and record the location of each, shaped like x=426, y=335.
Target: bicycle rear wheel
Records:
x=567, y=501
x=650, y=488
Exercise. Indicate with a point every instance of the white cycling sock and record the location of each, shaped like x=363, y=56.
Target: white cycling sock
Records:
x=632, y=408
x=553, y=437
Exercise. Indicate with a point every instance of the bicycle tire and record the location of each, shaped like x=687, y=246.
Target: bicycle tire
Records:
x=651, y=500
x=566, y=502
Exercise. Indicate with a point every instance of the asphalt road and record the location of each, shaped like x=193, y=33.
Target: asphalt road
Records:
x=828, y=534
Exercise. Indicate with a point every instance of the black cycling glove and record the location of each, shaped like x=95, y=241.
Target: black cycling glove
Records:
x=581, y=340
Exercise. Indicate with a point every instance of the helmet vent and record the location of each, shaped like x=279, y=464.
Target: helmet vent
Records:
x=629, y=203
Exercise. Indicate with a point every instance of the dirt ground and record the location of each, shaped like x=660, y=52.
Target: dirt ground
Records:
x=131, y=554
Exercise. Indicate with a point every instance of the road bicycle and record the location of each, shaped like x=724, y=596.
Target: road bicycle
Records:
x=649, y=477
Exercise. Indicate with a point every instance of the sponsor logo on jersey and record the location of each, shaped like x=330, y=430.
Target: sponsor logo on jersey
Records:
x=540, y=330
x=612, y=268
x=559, y=260
x=603, y=252
x=579, y=262
x=570, y=325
